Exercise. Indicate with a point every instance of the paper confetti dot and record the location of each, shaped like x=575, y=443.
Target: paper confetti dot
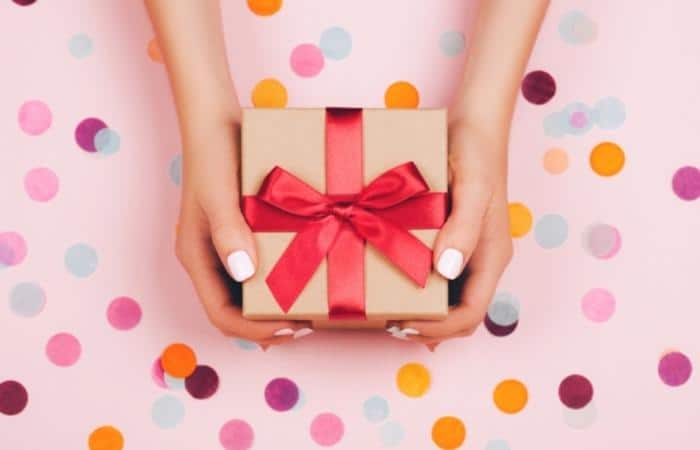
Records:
x=281, y=394
x=497, y=444
x=245, y=344
x=34, y=117
x=153, y=50
x=85, y=133
x=24, y=2
x=498, y=330
x=178, y=360
x=520, y=219
x=675, y=368
x=306, y=60
x=27, y=299
x=580, y=418
x=449, y=432
x=13, y=397
x=413, y=380
x=41, y=184
x=609, y=113
x=607, y=159
x=167, y=412
x=401, y=94
x=686, y=183
x=63, y=349
x=13, y=249
x=203, y=383
x=598, y=305
x=510, y=396
x=157, y=374
x=602, y=241
x=81, y=260
x=269, y=93
x=124, y=313
x=376, y=408
x=173, y=383
x=107, y=141
x=555, y=161
x=106, y=438
x=575, y=391
x=327, y=429
x=335, y=43
x=236, y=434
x=80, y=45
x=452, y=43
x=576, y=28
x=504, y=309
x=391, y=434
x=175, y=170
x=538, y=87
x=264, y=7
x=551, y=231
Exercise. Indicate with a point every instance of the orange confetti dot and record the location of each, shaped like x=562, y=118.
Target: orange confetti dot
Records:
x=510, y=396
x=413, y=379
x=178, y=360
x=264, y=7
x=520, y=219
x=449, y=432
x=154, y=51
x=106, y=438
x=607, y=159
x=269, y=93
x=401, y=94
x=555, y=161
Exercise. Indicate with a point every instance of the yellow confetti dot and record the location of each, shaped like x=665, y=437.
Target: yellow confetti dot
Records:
x=401, y=94
x=555, y=161
x=264, y=7
x=154, y=51
x=413, y=379
x=607, y=159
x=510, y=396
x=106, y=438
x=449, y=433
x=520, y=219
x=269, y=93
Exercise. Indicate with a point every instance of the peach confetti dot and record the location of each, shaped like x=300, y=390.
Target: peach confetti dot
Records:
x=154, y=51
x=413, y=380
x=449, y=432
x=178, y=360
x=555, y=161
x=607, y=159
x=401, y=94
x=106, y=438
x=269, y=93
x=510, y=396
x=520, y=219
x=264, y=7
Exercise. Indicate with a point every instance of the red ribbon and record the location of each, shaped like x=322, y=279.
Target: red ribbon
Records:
x=336, y=225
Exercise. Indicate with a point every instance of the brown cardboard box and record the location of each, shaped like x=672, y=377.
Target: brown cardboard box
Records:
x=294, y=139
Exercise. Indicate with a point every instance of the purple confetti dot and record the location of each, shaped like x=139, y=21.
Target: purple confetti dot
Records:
x=281, y=394
x=13, y=397
x=686, y=183
x=499, y=330
x=203, y=383
x=85, y=133
x=575, y=391
x=675, y=368
x=538, y=87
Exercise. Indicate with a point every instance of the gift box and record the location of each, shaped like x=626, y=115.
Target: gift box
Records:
x=345, y=205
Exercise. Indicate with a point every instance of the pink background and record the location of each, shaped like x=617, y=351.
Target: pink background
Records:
x=125, y=206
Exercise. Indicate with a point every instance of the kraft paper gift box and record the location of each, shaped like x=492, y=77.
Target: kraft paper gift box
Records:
x=352, y=283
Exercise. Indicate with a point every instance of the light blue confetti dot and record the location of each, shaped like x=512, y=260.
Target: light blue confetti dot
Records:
x=107, y=141
x=610, y=113
x=497, y=444
x=80, y=45
x=504, y=309
x=27, y=299
x=576, y=28
x=175, y=170
x=301, y=401
x=336, y=43
x=555, y=124
x=376, y=408
x=176, y=384
x=245, y=344
x=452, y=43
x=551, y=231
x=81, y=260
x=167, y=412
x=391, y=434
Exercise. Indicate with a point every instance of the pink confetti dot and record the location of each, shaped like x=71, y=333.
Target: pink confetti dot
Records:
x=327, y=429
x=236, y=434
x=158, y=374
x=598, y=305
x=63, y=349
x=34, y=117
x=306, y=60
x=13, y=249
x=686, y=183
x=41, y=184
x=124, y=313
x=578, y=119
x=602, y=241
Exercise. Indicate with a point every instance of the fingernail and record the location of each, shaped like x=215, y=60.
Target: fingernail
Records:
x=411, y=331
x=283, y=332
x=240, y=265
x=450, y=263
x=398, y=335
x=300, y=333
x=393, y=329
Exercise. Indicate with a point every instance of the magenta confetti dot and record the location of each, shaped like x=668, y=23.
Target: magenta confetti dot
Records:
x=203, y=382
x=327, y=429
x=598, y=305
x=85, y=133
x=499, y=330
x=306, y=60
x=281, y=394
x=63, y=349
x=538, y=87
x=236, y=434
x=41, y=184
x=123, y=313
x=575, y=391
x=34, y=117
x=24, y=2
x=13, y=397
x=686, y=183
x=13, y=249
x=158, y=374
x=675, y=368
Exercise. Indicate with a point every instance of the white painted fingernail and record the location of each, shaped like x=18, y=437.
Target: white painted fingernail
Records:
x=300, y=333
x=283, y=332
x=393, y=329
x=450, y=263
x=240, y=265
x=411, y=331
x=399, y=335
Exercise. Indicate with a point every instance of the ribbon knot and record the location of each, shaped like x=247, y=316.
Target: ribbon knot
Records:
x=343, y=210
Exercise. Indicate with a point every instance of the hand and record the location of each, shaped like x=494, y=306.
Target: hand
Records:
x=476, y=234
x=213, y=237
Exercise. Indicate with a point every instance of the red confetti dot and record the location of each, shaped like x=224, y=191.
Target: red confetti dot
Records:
x=13, y=397
x=538, y=87
x=575, y=391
